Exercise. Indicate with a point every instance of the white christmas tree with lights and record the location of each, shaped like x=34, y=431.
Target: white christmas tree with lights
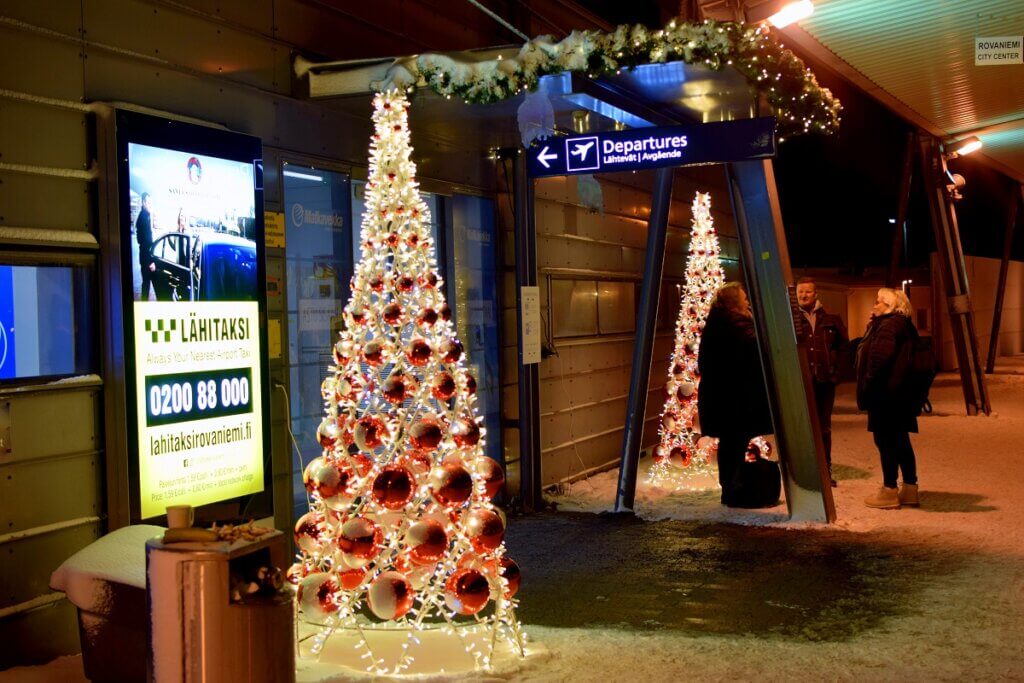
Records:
x=402, y=533
x=683, y=453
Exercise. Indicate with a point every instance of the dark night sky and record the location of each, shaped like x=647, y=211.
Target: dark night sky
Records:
x=838, y=192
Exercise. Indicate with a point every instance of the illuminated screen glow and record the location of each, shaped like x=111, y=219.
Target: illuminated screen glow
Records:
x=195, y=317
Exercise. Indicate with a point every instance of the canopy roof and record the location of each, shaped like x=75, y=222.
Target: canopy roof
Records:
x=917, y=56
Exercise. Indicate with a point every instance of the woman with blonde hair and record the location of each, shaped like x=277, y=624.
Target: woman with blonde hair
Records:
x=882, y=365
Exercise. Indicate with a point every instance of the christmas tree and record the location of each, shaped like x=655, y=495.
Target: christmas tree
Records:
x=401, y=531
x=683, y=453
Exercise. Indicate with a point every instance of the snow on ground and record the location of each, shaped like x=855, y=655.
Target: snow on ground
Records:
x=966, y=465
x=696, y=591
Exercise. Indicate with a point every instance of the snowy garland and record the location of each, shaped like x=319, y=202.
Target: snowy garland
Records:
x=800, y=104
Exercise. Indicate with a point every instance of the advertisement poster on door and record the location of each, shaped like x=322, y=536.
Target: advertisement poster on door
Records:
x=196, y=323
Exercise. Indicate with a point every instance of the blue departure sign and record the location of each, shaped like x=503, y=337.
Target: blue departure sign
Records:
x=643, y=148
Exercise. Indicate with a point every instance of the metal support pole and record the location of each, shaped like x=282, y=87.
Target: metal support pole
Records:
x=953, y=274
x=528, y=374
x=899, y=229
x=1004, y=267
x=643, y=349
x=765, y=259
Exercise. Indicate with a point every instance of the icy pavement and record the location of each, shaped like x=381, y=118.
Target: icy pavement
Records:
x=935, y=593
x=693, y=591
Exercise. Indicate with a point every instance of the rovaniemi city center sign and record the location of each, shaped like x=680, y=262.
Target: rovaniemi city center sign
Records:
x=645, y=148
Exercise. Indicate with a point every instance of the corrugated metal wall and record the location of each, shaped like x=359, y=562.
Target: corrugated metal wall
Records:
x=583, y=388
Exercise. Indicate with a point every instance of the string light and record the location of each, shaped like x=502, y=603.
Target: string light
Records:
x=682, y=453
x=401, y=497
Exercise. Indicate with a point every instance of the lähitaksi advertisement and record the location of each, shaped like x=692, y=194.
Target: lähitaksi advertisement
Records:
x=196, y=327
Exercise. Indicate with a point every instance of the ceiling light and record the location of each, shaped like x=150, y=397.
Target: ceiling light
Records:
x=791, y=13
x=962, y=147
x=303, y=176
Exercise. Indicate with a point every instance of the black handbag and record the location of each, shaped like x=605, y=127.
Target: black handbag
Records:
x=757, y=483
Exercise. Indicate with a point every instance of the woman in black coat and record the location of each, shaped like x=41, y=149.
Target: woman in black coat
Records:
x=732, y=401
x=881, y=391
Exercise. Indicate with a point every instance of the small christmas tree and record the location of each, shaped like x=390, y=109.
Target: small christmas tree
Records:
x=682, y=452
x=401, y=532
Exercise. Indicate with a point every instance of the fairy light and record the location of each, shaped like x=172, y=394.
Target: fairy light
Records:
x=682, y=454
x=401, y=422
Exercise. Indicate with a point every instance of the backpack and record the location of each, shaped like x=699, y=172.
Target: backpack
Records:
x=920, y=368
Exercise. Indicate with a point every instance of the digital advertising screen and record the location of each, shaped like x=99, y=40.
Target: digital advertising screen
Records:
x=192, y=284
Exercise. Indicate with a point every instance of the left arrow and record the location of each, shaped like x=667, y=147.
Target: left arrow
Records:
x=544, y=157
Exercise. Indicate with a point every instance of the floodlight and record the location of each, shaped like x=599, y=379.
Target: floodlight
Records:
x=792, y=12
x=962, y=147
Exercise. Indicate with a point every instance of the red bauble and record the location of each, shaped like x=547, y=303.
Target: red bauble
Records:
x=451, y=484
x=393, y=487
x=310, y=472
x=429, y=280
x=351, y=578
x=308, y=530
x=678, y=369
x=427, y=317
x=331, y=478
x=390, y=596
x=470, y=384
x=395, y=388
x=413, y=238
x=466, y=432
x=376, y=283
x=358, y=316
x=392, y=314
x=492, y=474
x=467, y=591
x=405, y=283
x=485, y=529
x=686, y=391
x=418, y=462
x=317, y=596
x=427, y=542
x=340, y=353
x=328, y=432
x=678, y=456
x=451, y=350
x=392, y=239
x=296, y=573
x=360, y=538
x=443, y=386
x=510, y=572
x=373, y=353
x=419, y=352
x=361, y=462
x=425, y=434
x=369, y=433
x=446, y=312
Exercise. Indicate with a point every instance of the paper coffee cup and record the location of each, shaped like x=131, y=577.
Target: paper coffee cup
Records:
x=180, y=516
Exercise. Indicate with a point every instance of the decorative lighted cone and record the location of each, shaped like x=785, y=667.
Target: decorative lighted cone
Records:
x=682, y=453
x=401, y=531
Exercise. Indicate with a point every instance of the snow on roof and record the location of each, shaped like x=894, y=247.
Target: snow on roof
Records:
x=118, y=557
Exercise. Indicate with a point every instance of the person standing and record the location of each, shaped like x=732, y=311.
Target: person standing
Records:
x=732, y=401
x=882, y=366
x=825, y=336
x=144, y=236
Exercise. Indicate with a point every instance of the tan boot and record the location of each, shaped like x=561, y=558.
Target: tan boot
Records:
x=908, y=495
x=886, y=498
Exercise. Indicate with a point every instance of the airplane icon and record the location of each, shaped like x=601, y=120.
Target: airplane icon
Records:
x=581, y=150
x=582, y=154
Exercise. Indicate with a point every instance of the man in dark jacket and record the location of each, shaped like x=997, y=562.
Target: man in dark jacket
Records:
x=825, y=337
x=144, y=236
x=732, y=401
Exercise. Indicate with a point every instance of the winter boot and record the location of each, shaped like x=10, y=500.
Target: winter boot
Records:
x=908, y=495
x=886, y=498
